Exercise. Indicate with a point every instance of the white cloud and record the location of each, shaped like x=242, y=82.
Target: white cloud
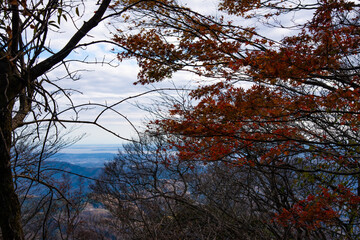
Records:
x=101, y=83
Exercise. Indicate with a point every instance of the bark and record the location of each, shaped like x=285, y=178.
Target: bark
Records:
x=10, y=211
x=47, y=64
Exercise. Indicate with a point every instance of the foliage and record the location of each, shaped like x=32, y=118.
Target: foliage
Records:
x=301, y=113
x=298, y=122
x=150, y=197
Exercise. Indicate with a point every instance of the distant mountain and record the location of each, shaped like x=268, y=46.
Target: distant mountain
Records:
x=80, y=163
x=78, y=175
x=84, y=159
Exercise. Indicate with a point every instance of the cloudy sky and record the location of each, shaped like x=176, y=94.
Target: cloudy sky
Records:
x=105, y=84
x=108, y=84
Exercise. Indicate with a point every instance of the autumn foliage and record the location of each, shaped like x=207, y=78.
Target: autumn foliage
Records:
x=301, y=113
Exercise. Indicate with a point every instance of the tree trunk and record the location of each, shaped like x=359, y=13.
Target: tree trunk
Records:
x=12, y=84
x=10, y=210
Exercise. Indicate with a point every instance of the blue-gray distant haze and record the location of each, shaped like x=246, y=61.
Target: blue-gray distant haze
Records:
x=90, y=155
x=81, y=160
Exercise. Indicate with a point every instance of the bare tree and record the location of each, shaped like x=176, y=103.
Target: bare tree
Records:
x=39, y=188
x=151, y=195
x=25, y=60
x=154, y=198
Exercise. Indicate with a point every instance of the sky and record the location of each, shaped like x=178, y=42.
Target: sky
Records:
x=106, y=84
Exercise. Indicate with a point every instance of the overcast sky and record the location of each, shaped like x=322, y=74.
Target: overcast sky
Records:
x=105, y=84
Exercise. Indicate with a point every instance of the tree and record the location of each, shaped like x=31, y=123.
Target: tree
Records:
x=301, y=112
x=24, y=29
x=28, y=95
x=139, y=191
x=38, y=188
x=153, y=198
x=150, y=198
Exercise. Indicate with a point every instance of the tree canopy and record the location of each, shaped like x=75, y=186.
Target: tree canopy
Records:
x=299, y=115
x=301, y=112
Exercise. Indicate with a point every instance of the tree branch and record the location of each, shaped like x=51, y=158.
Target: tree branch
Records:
x=47, y=64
